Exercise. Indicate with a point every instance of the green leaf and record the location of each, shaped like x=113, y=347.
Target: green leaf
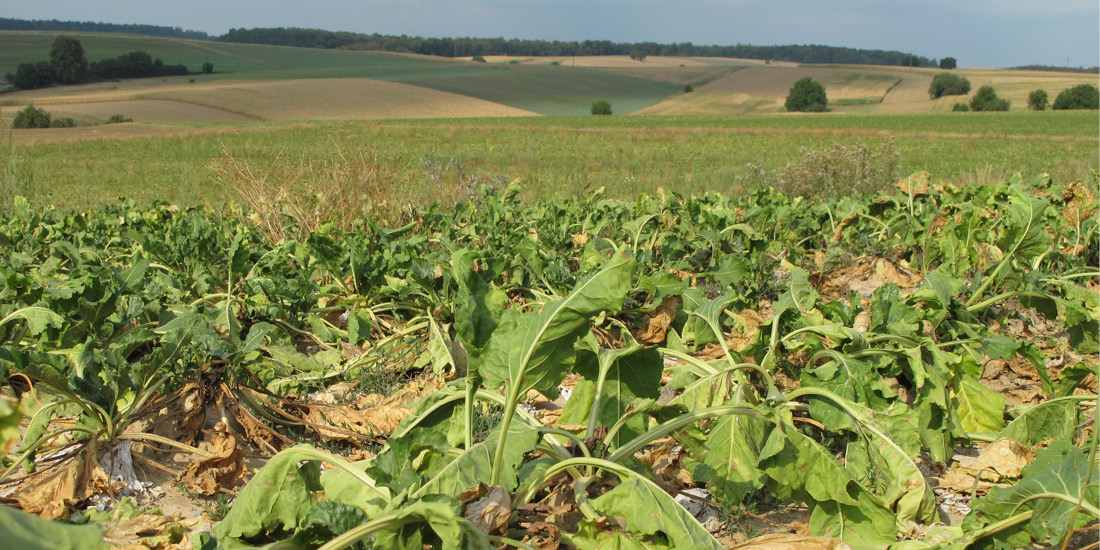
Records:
x=449, y=529
x=26, y=531
x=865, y=523
x=1055, y=419
x=471, y=467
x=799, y=296
x=651, y=512
x=1051, y=486
x=800, y=468
x=980, y=408
x=279, y=496
x=619, y=377
x=590, y=537
x=534, y=350
x=37, y=318
x=730, y=466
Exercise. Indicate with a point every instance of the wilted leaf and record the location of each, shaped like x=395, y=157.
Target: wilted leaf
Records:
x=490, y=514
x=208, y=476
x=279, y=496
x=656, y=323
x=52, y=493
x=784, y=541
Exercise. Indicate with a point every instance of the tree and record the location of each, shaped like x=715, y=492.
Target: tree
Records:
x=31, y=76
x=948, y=84
x=986, y=100
x=637, y=55
x=807, y=95
x=1037, y=100
x=910, y=61
x=601, y=107
x=948, y=63
x=31, y=117
x=68, y=61
x=207, y=68
x=1083, y=96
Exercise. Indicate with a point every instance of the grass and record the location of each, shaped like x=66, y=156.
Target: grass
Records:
x=567, y=155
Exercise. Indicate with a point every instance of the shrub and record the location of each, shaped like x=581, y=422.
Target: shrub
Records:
x=601, y=107
x=31, y=117
x=63, y=122
x=986, y=100
x=478, y=58
x=1037, y=100
x=960, y=108
x=1084, y=96
x=807, y=95
x=115, y=119
x=948, y=84
x=688, y=89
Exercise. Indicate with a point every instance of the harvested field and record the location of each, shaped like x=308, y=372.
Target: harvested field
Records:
x=145, y=110
x=303, y=99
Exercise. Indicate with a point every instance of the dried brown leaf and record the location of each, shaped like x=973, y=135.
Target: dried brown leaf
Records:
x=490, y=513
x=208, y=476
x=655, y=324
x=52, y=493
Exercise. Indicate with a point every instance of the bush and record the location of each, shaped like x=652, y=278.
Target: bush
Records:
x=1037, y=100
x=986, y=100
x=63, y=122
x=948, y=63
x=960, y=108
x=31, y=117
x=601, y=107
x=688, y=89
x=948, y=84
x=207, y=68
x=478, y=58
x=808, y=96
x=115, y=119
x=1084, y=96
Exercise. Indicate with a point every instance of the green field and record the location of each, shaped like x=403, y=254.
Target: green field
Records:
x=563, y=155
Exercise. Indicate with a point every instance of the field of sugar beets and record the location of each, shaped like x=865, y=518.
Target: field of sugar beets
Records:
x=915, y=368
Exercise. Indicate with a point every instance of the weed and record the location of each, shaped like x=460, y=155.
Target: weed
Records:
x=841, y=170
x=292, y=197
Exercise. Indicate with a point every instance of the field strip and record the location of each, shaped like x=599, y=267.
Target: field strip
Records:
x=819, y=132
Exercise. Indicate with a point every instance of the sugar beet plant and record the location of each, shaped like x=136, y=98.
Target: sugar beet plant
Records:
x=710, y=323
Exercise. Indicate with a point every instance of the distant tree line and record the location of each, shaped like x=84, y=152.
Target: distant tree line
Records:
x=68, y=65
x=468, y=47
x=1082, y=70
x=7, y=24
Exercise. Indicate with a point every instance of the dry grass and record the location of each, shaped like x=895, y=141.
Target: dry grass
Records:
x=290, y=197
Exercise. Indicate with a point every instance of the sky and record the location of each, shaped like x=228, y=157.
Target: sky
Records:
x=978, y=33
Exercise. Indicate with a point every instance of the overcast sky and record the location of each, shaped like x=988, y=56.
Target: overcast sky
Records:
x=979, y=33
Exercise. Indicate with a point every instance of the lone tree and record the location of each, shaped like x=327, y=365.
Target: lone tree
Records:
x=1083, y=96
x=1037, y=100
x=207, y=68
x=638, y=55
x=948, y=84
x=948, y=63
x=986, y=100
x=68, y=61
x=808, y=96
x=601, y=107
